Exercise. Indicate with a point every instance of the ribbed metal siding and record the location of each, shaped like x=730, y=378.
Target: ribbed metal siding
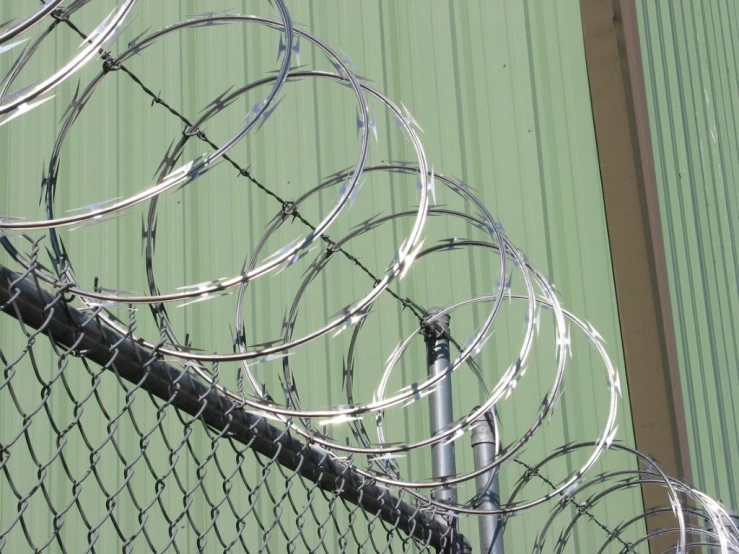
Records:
x=501, y=91
x=690, y=52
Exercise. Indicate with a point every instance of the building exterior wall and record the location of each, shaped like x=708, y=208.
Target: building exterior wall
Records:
x=501, y=91
x=690, y=65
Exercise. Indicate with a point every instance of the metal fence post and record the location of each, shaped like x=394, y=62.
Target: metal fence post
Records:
x=487, y=484
x=441, y=417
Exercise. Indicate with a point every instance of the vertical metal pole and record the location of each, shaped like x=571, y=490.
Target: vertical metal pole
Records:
x=441, y=417
x=488, y=485
x=441, y=412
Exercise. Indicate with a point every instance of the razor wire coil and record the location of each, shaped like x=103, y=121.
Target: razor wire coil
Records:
x=281, y=437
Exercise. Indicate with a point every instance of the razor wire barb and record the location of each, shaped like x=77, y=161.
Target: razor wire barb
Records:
x=41, y=301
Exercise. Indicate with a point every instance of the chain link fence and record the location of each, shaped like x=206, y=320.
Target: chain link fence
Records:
x=222, y=463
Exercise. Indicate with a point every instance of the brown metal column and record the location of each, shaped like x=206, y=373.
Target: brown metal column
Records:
x=618, y=95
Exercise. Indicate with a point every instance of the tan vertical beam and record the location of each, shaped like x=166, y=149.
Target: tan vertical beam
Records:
x=623, y=137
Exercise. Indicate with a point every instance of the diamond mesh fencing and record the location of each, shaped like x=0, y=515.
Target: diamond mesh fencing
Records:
x=163, y=445
x=221, y=461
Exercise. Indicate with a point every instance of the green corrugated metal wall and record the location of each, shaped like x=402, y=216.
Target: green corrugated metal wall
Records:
x=690, y=60
x=500, y=88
